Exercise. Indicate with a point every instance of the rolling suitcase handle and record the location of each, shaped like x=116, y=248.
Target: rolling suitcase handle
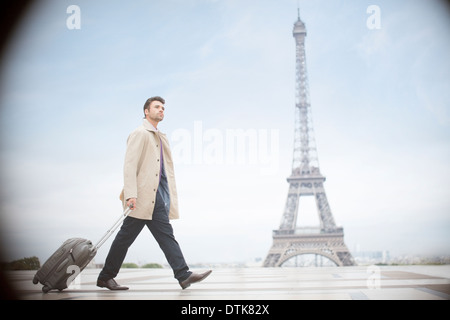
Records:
x=112, y=229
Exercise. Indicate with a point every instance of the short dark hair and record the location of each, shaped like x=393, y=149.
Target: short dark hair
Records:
x=150, y=100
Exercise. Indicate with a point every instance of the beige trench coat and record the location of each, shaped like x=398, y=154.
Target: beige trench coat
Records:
x=141, y=171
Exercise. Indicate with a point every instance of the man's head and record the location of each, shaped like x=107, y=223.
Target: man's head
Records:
x=154, y=110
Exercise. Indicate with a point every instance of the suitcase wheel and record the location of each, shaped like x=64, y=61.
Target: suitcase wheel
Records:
x=35, y=280
x=45, y=289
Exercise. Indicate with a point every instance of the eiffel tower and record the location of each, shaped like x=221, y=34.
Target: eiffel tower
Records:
x=326, y=240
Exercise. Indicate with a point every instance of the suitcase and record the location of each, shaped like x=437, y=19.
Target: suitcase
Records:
x=70, y=259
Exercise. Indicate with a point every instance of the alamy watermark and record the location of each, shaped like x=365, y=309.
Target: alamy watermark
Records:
x=73, y=22
x=374, y=20
x=199, y=146
x=74, y=280
x=374, y=278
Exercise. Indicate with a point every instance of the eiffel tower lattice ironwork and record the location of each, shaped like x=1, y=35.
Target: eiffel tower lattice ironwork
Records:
x=306, y=180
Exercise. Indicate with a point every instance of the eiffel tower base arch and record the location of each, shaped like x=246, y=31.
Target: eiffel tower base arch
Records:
x=329, y=245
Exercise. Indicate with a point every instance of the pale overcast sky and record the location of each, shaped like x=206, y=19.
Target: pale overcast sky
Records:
x=380, y=102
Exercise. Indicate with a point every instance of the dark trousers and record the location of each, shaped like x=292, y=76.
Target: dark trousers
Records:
x=162, y=231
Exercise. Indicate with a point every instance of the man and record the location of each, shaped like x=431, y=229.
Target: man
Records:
x=150, y=191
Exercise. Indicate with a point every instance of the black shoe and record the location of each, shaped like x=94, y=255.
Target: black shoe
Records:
x=194, y=277
x=111, y=284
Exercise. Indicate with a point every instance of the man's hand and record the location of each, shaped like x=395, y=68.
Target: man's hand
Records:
x=131, y=203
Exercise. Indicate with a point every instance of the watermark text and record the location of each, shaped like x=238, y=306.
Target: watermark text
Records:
x=199, y=146
x=73, y=22
x=374, y=20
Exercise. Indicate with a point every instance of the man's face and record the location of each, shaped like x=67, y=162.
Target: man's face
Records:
x=156, y=111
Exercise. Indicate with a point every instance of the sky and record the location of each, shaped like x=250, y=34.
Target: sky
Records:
x=74, y=80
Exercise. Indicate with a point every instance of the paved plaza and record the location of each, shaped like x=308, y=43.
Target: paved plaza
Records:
x=327, y=283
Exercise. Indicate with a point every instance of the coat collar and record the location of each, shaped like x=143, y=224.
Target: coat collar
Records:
x=148, y=126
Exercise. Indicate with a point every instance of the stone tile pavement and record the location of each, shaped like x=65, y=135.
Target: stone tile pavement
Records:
x=257, y=284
